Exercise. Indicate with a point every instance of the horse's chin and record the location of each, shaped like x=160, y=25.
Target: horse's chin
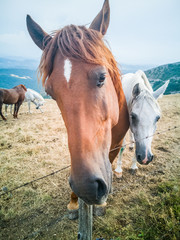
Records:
x=144, y=162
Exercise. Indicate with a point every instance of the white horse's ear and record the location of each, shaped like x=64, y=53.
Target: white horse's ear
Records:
x=160, y=91
x=136, y=90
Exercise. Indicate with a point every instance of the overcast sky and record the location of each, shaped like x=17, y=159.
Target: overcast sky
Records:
x=140, y=31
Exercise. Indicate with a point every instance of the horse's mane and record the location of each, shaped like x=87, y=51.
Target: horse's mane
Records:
x=145, y=95
x=145, y=79
x=83, y=44
x=22, y=86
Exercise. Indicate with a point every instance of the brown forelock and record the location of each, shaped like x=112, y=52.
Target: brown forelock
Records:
x=83, y=44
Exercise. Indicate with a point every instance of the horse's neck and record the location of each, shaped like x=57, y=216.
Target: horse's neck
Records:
x=33, y=94
x=119, y=131
x=128, y=82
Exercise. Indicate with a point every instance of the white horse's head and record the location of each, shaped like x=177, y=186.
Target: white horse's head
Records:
x=39, y=104
x=144, y=114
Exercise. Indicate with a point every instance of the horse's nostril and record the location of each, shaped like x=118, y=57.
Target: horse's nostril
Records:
x=152, y=156
x=138, y=157
x=101, y=188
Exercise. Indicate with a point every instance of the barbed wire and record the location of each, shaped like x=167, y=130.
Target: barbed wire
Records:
x=45, y=227
x=55, y=221
x=157, y=133
x=35, y=180
x=6, y=191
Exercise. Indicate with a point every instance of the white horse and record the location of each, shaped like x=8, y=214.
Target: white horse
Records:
x=31, y=96
x=144, y=112
x=34, y=97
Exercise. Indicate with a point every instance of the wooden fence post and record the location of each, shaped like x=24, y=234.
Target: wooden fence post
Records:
x=85, y=221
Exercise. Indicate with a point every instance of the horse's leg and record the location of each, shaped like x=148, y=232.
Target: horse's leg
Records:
x=1, y=112
x=131, y=139
x=99, y=210
x=6, y=107
x=113, y=154
x=134, y=165
x=29, y=106
x=118, y=170
x=73, y=207
x=18, y=106
x=15, y=110
x=11, y=109
x=41, y=110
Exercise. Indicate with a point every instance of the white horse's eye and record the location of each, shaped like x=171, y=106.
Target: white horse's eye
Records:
x=157, y=118
x=133, y=117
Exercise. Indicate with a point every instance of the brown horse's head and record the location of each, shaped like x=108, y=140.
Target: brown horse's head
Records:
x=80, y=73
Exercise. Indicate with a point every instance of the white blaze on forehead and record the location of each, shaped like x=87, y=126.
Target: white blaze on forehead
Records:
x=67, y=69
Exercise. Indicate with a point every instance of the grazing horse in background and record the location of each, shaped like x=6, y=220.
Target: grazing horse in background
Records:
x=81, y=74
x=144, y=112
x=15, y=96
x=34, y=97
x=30, y=96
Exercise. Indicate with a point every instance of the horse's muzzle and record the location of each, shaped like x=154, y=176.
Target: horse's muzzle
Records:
x=146, y=160
x=91, y=191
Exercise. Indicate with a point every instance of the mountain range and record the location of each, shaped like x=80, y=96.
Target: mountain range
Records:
x=157, y=76
x=15, y=71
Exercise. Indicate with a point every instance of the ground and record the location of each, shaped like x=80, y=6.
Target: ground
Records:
x=142, y=206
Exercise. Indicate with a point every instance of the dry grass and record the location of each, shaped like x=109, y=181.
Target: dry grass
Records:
x=36, y=144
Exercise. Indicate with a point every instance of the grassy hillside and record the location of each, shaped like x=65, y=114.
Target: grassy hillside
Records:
x=145, y=206
x=159, y=75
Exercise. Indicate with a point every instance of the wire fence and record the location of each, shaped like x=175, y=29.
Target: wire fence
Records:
x=157, y=133
x=45, y=227
x=64, y=215
x=5, y=190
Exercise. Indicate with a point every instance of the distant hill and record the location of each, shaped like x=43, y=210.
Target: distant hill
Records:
x=127, y=68
x=19, y=63
x=14, y=71
x=157, y=76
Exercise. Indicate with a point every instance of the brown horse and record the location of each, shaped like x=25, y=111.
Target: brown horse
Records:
x=15, y=96
x=81, y=74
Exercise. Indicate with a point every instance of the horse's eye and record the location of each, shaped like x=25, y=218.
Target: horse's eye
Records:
x=102, y=77
x=101, y=80
x=133, y=117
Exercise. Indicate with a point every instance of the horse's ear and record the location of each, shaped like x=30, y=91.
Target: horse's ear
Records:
x=160, y=91
x=136, y=90
x=101, y=21
x=37, y=34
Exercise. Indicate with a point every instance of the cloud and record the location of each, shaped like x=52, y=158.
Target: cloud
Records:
x=16, y=76
x=139, y=32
